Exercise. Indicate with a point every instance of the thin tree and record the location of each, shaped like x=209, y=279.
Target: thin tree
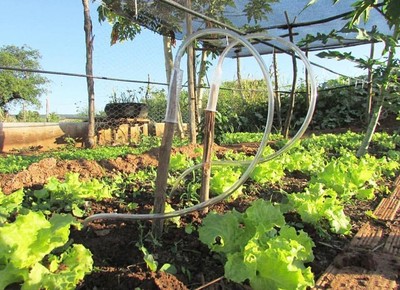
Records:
x=387, y=71
x=392, y=15
x=90, y=141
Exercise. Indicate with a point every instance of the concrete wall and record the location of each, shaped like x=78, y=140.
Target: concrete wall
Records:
x=45, y=136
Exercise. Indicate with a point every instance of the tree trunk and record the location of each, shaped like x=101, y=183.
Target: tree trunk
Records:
x=191, y=80
x=168, y=57
x=277, y=96
x=373, y=122
x=381, y=98
x=370, y=87
x=90, y=141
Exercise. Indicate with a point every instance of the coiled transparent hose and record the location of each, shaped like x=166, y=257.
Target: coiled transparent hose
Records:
x=171, y=117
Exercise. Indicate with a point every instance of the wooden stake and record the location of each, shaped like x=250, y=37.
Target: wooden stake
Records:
x=209, y=123
x=162, y=176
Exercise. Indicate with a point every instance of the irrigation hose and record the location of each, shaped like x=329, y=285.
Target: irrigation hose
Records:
x=171, y=117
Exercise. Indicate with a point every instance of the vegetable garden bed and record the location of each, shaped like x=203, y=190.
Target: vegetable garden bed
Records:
x=294, y=199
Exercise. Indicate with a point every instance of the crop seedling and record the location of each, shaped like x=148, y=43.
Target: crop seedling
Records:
x=179, y=162
x=351, y=176
x=271, y=171
x=10, y=204
x=68, y=196
x=260, y=247
x=321, y=208
x=223, y=178
x=30, y=260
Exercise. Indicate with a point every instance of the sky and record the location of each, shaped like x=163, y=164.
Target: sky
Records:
x=55, y=29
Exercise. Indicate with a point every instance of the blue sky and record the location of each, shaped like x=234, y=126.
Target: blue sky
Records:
x=55, y=28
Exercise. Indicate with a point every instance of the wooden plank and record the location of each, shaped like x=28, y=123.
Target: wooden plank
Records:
x=368, y=237
x=387, y=209
x=378, y=251
x=392, y=244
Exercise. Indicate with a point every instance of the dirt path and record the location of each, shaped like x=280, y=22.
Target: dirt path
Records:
x=372, y=259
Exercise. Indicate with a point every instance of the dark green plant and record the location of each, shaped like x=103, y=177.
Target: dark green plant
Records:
x=339, y=105
x=28, y=116
x=129, y=96
x=388, y=70
x=53, y=117
x=18, y=87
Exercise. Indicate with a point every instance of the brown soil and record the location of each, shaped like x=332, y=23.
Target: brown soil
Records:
x=118, y=261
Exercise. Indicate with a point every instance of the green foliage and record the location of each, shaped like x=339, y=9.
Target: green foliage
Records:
x=156, y=100
x=105, y=152
x=28, y=116
x=20, y=87
x=68, y=196
x=10, y=204
x=179, y=162
x=339, y=105
x=309, y=161
x=258, y=10
x=244, y=137
x=260, y=247
x=349, y=175
x=223, y=178
x=151, y=263
x=53, y=118
x=319, y=206
x=157, y=104
x=5, y=116
x=29, y=261
x=271, y=171
x=78, y=262
x=130, y=96
x=333, y=143
x=243, y=108
x=15, y=163
x=122, y=27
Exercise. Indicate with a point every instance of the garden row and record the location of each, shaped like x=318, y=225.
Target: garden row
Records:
x=272, y=228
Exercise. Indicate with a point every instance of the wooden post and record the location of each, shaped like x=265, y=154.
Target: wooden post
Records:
x=164, y=155
x=162, y=176
x=209, y=124
x=191, y=81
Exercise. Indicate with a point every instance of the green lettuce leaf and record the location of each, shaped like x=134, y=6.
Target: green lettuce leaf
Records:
x=65, y=271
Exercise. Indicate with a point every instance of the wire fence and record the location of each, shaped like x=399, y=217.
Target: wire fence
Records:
x=130, y=91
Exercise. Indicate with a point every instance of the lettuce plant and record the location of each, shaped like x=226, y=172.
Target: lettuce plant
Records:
x=260, y=247
x=321, y=208
x=26, y=257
